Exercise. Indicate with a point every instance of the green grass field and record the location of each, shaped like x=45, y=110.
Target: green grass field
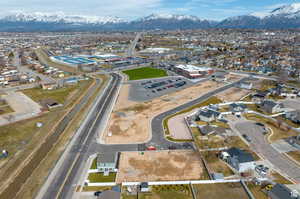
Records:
x=99, y=177
x=145, y=73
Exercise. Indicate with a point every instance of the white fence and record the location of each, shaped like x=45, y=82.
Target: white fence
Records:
x=102, y=184
x=182, y=182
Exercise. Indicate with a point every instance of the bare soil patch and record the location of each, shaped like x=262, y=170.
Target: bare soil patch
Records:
x=159, y=166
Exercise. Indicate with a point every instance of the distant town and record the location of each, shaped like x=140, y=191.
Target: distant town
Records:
x=186, y=114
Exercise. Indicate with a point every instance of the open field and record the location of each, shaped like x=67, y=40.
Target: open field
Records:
x=130, y=121
x=34, y=136
x=40, y=174
x=218, y=190
x=233, y=94
x=145, y=73
x=60, y=95
x=159, y=165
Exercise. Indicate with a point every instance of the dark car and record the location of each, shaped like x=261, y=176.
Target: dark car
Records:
x=259, y=124
x=97, y=193
x=246, y=137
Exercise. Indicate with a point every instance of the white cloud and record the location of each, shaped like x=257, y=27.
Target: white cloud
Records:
x=123, y=8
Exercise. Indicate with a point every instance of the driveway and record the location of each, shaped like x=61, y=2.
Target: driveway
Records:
x=260, y=145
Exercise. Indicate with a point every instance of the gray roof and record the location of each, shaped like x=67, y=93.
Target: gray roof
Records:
x=209, y=113
x=269, y=103
x=280, y=191
x=106, y=157
x=241, y=155
x=235, y=105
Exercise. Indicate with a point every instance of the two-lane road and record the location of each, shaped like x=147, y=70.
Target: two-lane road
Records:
x=260, y=145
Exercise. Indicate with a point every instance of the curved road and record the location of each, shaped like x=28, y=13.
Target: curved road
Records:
x=68, y=173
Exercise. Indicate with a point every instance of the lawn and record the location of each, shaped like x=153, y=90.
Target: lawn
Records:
x=99, y=177
x=94, y=164
x=60, y=95
x=95, y=188
x=145, y=73
x=257, y=192
x=220, y=190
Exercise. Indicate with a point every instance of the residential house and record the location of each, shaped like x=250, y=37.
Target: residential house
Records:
x=270, y=106
x=246, y=85
x=259, y=96
x=208, y=115
x=107, y=162
x=280, y=191
x=294, y=116
x=237, y=108
x=240, y=160
x=145, y=187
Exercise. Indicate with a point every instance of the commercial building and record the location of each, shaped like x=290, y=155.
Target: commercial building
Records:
x=192, y=72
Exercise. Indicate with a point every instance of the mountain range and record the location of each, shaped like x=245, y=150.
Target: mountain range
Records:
x=284, y=17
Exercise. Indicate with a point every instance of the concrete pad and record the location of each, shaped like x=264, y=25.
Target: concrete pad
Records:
x=23, y=106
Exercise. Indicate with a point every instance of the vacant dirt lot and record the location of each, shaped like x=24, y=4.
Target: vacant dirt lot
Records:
x=178, y=128
x=159, y=166
x=130, y=121
x=233, y=94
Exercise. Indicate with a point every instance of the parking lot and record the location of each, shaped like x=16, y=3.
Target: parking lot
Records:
x=145, y=90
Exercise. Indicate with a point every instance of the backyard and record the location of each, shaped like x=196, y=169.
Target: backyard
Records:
x=220, y=190
x=99, y=177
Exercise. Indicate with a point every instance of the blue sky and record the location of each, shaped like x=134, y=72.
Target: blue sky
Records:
x=130, y=9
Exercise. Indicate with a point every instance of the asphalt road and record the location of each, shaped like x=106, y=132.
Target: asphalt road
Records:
x=67, y=176
x=12, y=189
x=62, y=185
x=260, y=145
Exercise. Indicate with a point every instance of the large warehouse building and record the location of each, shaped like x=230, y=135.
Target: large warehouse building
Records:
x=192, y=72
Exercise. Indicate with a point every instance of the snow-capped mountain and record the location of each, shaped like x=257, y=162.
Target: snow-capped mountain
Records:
x=59, y=17
x=169, y=22
x=288, y=11
x=287, y=16
x=169, y=17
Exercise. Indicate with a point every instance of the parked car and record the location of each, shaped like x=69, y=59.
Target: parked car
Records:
x=246, y=137
x=259, y=124
x=97, y=193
